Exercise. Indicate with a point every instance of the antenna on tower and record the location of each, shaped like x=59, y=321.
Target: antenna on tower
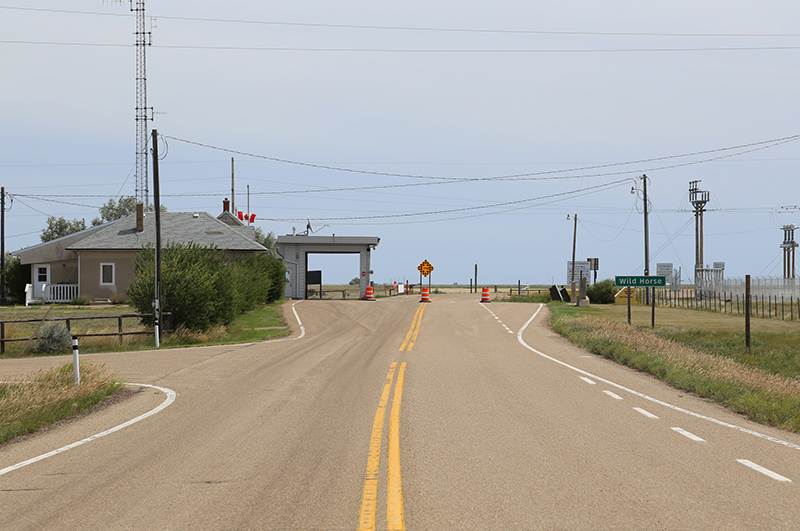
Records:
x=144, y=39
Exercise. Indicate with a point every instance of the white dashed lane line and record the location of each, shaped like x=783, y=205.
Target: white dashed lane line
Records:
x=613, y=395
x=588, y=381
x=765, y=471
x=645, y=413
x=498, y=319
x=687, y=434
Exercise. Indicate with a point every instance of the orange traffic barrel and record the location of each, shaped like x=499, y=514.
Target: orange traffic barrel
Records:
x=370, y=294
x=426, y=296
x=485, y=295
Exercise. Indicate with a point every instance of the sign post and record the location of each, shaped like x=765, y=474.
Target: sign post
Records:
x=641, y=281
x=425, y=269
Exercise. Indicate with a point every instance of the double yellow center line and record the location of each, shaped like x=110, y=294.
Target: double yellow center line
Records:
x=395, y=520
x=394, y=498
x=413, y=332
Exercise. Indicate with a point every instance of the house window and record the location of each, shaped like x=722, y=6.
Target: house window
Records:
x=106, y=274
x=41, y=274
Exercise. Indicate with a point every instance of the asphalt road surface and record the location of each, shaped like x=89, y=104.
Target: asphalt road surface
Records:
x=452, y=415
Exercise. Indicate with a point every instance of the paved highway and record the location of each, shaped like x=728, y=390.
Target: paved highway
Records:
x=399, y=415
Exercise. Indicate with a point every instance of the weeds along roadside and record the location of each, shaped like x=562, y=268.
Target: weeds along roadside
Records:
x=745, y=384
x=45, y=397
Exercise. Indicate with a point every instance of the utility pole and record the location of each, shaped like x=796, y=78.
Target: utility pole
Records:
x=699, y=199
x=789, y=246
x=572, y=296
x=646, y=239
x=233, y=191
x=157, y=199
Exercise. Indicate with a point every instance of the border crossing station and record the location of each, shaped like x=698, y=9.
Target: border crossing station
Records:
x=294, y=251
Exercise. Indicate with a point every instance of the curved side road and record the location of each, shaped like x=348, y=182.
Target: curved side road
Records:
x=170, y=398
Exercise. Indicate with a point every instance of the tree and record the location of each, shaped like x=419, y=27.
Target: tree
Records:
x=270, y=241
x=114, y=210
x=125, y=206
x=355, y=282
x=59, y=227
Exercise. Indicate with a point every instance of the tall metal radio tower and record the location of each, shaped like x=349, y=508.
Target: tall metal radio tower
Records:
x=143, y=40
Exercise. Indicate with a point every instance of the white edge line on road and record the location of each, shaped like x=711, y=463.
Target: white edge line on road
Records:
x=646, y=397
x=645, y=413
x=299, y=322
x=613, y=395
x=170, y=398
x=588, y=381
x=765, y=471
x=687, y=434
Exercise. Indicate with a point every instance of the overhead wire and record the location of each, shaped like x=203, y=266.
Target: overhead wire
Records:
x=541, y=175
x=410, y=50
x=417, y=28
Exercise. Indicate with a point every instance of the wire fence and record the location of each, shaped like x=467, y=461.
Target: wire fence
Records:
x=768, y=298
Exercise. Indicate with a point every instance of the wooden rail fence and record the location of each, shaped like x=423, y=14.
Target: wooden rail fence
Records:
x=68, y=320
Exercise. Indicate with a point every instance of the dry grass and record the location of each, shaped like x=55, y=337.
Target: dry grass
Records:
x=39, y=399
x=748, y=383
x=685, y=358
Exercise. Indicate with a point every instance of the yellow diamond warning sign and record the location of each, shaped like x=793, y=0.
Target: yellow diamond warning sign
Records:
x=425, y=268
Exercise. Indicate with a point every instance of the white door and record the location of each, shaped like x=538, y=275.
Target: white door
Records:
x=41, y=276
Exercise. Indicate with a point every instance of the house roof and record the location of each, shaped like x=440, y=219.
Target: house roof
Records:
x=200, y=228
x=56, y=249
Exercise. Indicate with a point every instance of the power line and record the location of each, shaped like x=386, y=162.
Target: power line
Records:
x=541, y=175
x=418, y=28
x=415, y=50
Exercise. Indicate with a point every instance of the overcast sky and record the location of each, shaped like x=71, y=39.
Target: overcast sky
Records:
x=493, y=121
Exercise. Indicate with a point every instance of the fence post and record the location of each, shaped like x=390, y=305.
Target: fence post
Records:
x=747, y=311
x=69, y=328
x=120, y=329
x=75, y=360
x=2, y=337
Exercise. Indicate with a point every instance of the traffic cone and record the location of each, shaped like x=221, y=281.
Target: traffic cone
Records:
x=426, y=296
x=370, y=294
x=485, y=295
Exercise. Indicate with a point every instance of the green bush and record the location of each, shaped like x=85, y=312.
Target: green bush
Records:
x=17, y=275
x=201, y=289
x=81, y=300
x=602, y=292
x=119, y=298
x=53, y=338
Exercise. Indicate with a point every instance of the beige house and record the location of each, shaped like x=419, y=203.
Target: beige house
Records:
x=98, y=262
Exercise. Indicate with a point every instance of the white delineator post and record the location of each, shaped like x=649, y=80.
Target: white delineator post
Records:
x=75, y=361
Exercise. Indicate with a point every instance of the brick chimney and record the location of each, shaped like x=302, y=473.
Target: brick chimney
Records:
x=226, y=205
x=139, y=217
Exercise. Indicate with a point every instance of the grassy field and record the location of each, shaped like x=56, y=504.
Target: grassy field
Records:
x=699, y=352
x=40, y=399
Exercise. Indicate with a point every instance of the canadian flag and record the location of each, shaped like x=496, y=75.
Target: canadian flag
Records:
x=246, y=217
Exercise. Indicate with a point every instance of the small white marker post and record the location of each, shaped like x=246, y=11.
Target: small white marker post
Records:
x=75, y=361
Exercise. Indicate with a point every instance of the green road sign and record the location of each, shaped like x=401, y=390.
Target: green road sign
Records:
x=640, y=281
